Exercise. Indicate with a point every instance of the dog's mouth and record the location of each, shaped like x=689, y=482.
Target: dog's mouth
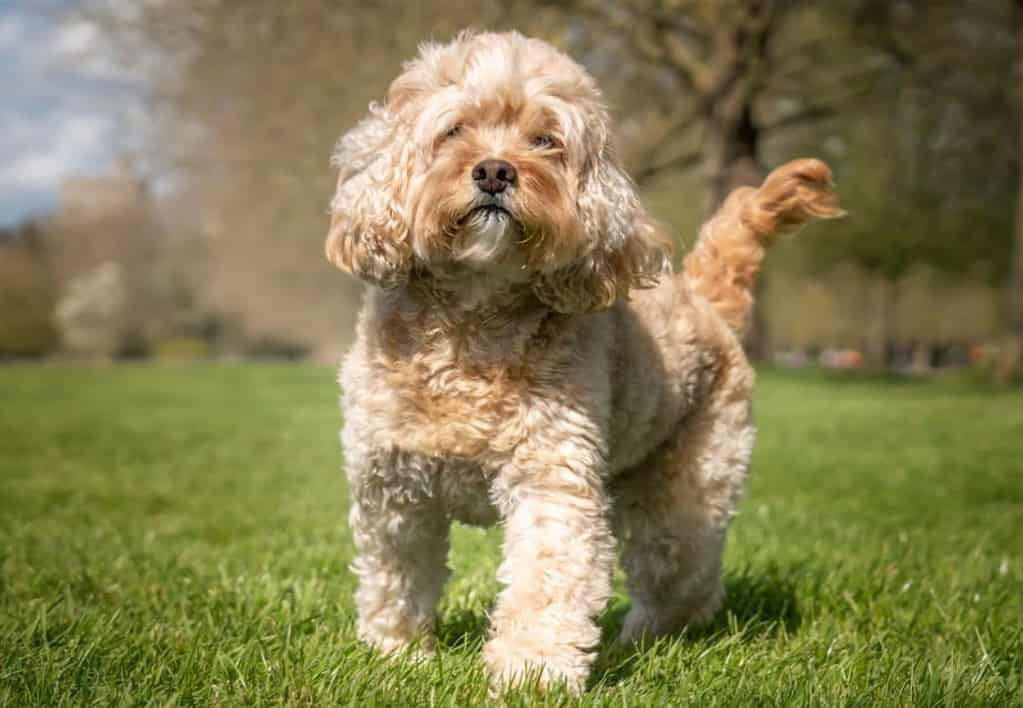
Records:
x=487, y=217
x=485, y=235
x=490, y=211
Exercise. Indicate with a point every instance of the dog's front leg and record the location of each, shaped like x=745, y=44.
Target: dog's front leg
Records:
x=558, y=563
x=401, y=537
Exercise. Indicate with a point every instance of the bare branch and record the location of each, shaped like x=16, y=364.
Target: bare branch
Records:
x=681, y=162
x=683, y=58
x=634, y=25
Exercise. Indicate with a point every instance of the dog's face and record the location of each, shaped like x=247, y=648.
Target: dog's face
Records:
x=491, y=155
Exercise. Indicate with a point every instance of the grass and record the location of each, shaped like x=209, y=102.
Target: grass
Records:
x=177, y=536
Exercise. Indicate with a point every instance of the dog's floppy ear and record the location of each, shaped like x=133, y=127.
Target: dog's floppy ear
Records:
x=625, y=247
x=368, y=234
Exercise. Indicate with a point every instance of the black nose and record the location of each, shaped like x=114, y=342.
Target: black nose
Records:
x=494, y=176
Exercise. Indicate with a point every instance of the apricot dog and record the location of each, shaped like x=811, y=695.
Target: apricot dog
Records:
x=526, y=356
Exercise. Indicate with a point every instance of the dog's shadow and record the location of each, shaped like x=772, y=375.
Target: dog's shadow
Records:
x=757, y=607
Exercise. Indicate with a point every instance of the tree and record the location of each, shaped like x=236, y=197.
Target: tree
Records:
x=927, y=173
x=1011, y=358
x=107, y=233
x=734, y=71
x=249, y=100
x=27, y=294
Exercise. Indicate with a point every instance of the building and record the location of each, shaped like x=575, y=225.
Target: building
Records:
x=87, y=199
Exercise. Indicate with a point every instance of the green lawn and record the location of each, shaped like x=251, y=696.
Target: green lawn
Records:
x=178, y=536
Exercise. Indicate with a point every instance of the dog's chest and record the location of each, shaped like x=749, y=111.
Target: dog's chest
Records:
x=440, y=406
x=462, y=423
x=461, y=390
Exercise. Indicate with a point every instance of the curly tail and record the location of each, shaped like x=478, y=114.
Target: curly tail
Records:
x=724, y=263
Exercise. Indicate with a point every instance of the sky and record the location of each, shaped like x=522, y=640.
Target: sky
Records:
x=64, y=109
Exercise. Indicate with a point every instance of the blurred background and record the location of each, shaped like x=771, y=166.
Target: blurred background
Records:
x=164, y=164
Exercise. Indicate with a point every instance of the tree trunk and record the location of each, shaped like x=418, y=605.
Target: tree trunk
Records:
x=728, y=156
x=729, y=160
x=1010, y=359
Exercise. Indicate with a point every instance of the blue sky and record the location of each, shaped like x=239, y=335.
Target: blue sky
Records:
x=64, y=108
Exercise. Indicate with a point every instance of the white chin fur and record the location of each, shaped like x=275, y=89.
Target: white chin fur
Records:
x=487, y=237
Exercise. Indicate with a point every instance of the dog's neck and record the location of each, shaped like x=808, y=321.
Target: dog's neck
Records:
x=474, y=323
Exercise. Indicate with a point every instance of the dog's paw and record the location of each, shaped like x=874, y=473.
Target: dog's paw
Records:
x=512, y=663
x=639, y=624
x=413, y=649
x=644, y=623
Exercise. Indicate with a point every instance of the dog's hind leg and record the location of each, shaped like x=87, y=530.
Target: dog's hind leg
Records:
x=673, y=511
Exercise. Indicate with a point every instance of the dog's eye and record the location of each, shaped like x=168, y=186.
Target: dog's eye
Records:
x=544, y=142
x=452, y=131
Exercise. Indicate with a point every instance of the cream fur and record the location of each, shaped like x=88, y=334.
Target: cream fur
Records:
x=545, y=370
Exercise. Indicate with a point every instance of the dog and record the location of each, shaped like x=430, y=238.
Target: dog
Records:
x=526, y=356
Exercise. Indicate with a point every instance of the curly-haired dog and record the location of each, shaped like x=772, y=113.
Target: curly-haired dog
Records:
x=525, y=355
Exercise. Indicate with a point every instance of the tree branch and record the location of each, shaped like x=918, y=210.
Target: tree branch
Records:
x=632, y=25
x=686, y=61
x=681, y=162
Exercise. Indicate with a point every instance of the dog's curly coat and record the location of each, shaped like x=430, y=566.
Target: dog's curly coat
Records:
x=526, y=355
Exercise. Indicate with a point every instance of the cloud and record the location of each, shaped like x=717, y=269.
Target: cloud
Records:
x=62, y=102
x=74, y=38
x=80, y=47
x=73, y=142
x=12, y=29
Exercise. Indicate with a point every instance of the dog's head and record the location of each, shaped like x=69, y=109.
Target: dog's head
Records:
x=491, y=155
